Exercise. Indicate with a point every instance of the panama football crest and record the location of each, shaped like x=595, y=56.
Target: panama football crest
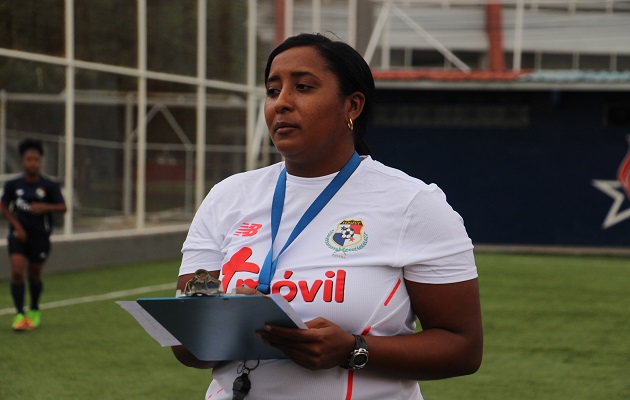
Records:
x=349, y=236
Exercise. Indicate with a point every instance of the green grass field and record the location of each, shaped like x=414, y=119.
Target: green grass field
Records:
x=555, y=327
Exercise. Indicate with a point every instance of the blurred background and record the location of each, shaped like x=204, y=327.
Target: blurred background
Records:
x=518, y=109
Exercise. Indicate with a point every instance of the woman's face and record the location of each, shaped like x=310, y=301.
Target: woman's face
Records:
x=306, y=115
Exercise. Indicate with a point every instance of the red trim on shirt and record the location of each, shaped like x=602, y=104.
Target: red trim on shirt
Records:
x=351, y=372
x=219, y=391
x=350, y=380
x=392, y=293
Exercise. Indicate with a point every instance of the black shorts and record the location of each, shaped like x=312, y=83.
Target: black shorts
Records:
x=35, y=249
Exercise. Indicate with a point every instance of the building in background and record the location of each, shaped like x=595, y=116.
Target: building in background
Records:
x=518, y=109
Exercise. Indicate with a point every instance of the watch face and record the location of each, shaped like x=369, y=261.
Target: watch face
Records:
x=359, y=357
x=360, y=360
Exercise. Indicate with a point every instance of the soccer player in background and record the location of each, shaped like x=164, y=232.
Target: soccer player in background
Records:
x=28, y=203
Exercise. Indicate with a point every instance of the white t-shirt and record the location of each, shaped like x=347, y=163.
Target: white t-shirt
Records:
x=347, y=266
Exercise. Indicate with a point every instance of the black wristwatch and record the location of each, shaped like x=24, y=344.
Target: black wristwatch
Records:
x=359, y=356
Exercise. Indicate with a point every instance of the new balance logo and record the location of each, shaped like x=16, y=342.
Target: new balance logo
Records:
x=248, y=229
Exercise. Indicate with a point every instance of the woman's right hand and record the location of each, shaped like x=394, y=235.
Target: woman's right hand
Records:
x=246, y=290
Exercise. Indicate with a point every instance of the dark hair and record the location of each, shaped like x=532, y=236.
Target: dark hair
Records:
x=30, y=144
x=353, y=74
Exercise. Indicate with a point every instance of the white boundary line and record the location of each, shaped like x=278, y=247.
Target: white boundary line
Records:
x=98, y=297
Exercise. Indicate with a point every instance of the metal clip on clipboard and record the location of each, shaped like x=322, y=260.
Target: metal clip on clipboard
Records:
x=203, y=284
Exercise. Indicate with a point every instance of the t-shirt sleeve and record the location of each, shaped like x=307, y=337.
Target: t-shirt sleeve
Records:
x=434, y=246
x=201, y=249
x=7, y=194
x=449, y=269
x=55, y=194
x=192, y=260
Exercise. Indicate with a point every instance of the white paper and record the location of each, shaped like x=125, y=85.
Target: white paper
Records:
x=153, y=328
x=286, y=307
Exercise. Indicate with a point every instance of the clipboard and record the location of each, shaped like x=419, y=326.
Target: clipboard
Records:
x=220, y=328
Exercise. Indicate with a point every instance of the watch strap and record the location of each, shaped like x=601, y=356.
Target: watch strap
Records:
x=358, y=356
x=360, y=343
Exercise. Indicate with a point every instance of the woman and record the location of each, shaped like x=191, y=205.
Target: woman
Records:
x=384, y=249
x=27, y=203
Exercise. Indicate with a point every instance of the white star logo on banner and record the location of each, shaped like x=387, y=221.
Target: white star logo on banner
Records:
x=614, y=190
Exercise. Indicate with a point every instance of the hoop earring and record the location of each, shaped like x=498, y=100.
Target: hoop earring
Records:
x=350, y=124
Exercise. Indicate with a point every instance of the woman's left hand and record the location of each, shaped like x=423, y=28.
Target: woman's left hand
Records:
x=324, y=345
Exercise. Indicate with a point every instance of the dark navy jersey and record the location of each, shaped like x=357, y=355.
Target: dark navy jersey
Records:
x=18, y=195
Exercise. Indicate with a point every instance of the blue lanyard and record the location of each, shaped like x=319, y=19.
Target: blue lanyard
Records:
x=269, y=266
